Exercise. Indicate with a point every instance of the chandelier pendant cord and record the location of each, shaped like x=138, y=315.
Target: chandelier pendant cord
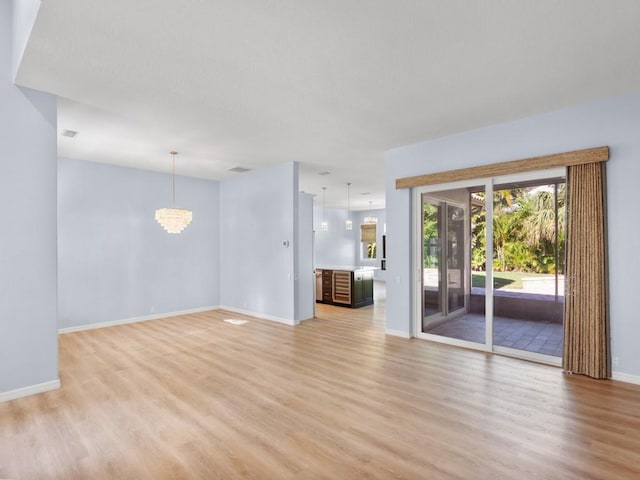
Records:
x=173, y=220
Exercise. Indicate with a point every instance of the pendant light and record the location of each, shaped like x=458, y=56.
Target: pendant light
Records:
x=324, y=226
x=370, y=218
x=173, y=219
x=348, y=224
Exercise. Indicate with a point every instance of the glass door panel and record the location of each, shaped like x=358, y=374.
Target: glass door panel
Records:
x=477, y=262
x=455, y=258
x=528, y=266
x=447, y=304
x=431, y=258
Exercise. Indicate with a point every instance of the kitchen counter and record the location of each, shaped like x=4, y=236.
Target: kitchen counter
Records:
x=345, y=285
x=347, y=268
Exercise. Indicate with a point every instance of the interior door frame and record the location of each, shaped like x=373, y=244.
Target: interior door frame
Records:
x=416, y=259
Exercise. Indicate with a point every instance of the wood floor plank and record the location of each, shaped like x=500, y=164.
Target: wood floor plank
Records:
x=195, y=397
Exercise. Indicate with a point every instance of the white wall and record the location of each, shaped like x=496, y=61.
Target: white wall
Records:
x=614, y=122
x=258, y=214
x=115, y=261
x=336, y=246
x=28, y=336
x=305, y=275
x=24, y=16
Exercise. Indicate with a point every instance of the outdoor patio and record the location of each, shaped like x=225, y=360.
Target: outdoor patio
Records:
x=532, y=336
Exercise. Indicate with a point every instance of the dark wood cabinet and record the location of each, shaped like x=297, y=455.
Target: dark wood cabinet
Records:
x=347, y=288
x=327, y=286
x=362, y=288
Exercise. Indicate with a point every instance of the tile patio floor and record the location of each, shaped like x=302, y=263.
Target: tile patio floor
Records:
x=531, y=336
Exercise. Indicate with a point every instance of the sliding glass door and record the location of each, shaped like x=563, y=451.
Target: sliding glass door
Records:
x=511, y=300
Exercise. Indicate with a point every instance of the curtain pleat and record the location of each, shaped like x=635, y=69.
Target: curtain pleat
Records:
x=586, y=339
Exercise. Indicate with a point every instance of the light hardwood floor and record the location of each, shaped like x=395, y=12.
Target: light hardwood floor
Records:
x=194, y=397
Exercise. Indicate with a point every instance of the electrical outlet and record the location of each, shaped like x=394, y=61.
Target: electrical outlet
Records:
x=615, y=362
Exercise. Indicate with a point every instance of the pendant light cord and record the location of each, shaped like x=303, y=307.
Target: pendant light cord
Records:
x=324, y=204
x=174, y=179
x=173, y=155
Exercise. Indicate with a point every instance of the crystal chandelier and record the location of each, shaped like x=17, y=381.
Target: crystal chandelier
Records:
x=324, y=226
x=173, y=219
x=370, y=218
x=348, y=224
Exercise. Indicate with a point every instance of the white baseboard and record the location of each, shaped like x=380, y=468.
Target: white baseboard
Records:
x=91, y=326
x=397, y=333
x=30, y=390
x=625, y=377
x=263, y=316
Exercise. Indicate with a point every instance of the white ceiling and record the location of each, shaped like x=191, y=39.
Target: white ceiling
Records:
x=329, y=83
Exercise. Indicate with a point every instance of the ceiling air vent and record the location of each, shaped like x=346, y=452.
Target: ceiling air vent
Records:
x=69, y=133
x=239, y=169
